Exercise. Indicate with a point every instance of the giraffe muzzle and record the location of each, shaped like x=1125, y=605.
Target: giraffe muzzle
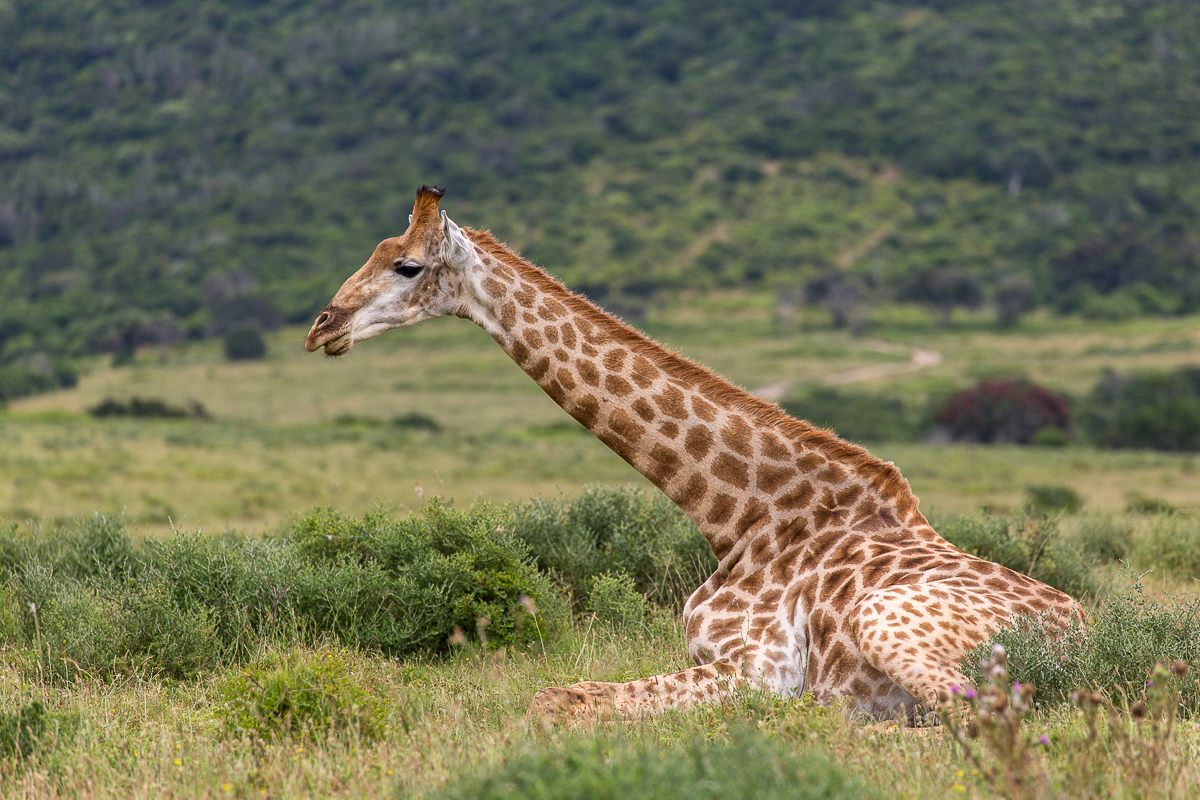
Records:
x=328, y=332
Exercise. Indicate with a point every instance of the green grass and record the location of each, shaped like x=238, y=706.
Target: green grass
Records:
x=320, y=706
x=298, y=430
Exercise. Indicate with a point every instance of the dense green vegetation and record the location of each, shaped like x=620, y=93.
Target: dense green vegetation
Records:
x=92, y=603
x=168, y=169
x=228, y=665
x=97, y=606
x=748, y=766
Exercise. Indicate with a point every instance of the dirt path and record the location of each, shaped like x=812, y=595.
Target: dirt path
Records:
x=918, y=359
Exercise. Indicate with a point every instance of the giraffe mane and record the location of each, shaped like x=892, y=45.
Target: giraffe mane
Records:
x=883, y=474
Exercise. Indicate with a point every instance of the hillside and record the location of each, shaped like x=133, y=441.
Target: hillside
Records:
x=169, y=166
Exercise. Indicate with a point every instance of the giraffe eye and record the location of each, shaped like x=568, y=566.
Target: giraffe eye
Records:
x=407, y=269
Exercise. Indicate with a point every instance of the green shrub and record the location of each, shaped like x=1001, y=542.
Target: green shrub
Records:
x=190, y=601
x=1048, y=498
x=1157, y=410
x=1050, y=436
x=32, y=376
x=244, y=586
x=1172, y=544
x=91, y=547
x=121, y=629
x=1114, y=651
x=1149, y=506
x=244, y=343
x=12, y=627
x=16, y=547
x=95, y=547
x=148, y=408
x=615, y=599
x=403, y=585
x=1031, y=544
x=307, y=695
x=748, y=766
x=616, y=530
x=416, y=421
x=856, y=416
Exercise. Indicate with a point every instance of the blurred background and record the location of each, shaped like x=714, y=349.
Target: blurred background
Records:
x=964, y=233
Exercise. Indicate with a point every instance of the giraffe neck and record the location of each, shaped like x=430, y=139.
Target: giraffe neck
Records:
x=745, y=473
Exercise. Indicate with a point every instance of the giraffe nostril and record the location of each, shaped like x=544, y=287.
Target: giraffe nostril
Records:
x=323, y=318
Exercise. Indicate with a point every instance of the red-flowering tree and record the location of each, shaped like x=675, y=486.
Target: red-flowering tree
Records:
x=1003, y=411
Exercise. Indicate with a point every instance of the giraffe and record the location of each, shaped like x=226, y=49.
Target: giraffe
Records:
x=829, y=579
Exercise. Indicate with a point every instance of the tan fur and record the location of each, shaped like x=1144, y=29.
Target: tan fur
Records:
x=829, y=580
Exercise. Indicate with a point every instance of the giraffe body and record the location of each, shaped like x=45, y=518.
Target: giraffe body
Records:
x=829, y=579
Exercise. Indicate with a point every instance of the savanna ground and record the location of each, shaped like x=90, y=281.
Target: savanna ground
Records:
x=298, y=431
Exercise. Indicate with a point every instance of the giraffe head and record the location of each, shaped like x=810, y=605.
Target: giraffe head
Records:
x=409, y=278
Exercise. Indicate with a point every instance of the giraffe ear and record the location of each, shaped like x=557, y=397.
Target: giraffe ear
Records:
x=455, y=249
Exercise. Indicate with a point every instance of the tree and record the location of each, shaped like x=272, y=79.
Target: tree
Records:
x=1012, y=298
x=941, y=291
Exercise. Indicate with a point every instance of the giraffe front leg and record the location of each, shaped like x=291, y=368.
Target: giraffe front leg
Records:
x=917, y=634
x=591, y=699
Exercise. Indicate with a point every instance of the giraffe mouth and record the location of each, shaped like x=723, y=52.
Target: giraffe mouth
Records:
x=335, y=343
x=339, y=346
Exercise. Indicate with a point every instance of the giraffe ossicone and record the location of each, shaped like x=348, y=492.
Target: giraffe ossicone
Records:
x=829, y=579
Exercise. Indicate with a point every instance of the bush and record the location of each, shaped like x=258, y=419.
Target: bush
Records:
x=614, y=599
x=748, y=765
x=1114, y=651
x=244, y=343
x=1048, y=497
x=1003, y=411
x=1159, y=411
x=134, y=628
x=404, y=585
x=416, y=421
x=148, y=408
x=32, y=376
x=1030, y=544
x=185, y=603
x=244, y=586
x=95, y=547
x=306, y=695
x=1050, y=436
x=855, y=416
x=616, y=530
x=1149, y=506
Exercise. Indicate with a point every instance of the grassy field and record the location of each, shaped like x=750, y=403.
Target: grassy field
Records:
x=298, y=430
x=448, y=722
